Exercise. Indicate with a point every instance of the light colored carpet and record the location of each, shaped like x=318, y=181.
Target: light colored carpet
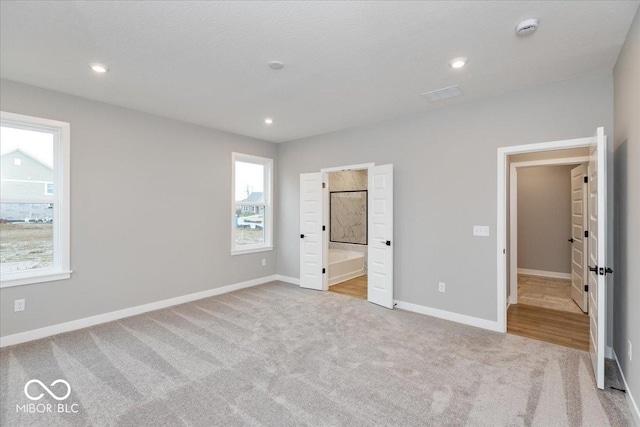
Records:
x=279, y=355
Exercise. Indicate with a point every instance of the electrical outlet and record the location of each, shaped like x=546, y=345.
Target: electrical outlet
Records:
x=629, y=349
x=441, y=287
x=18, y=305
x=264, y=262
x=481, y=230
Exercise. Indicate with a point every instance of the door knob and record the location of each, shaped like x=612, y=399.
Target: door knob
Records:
x=593, y=269
x=571, y=240
x=386, y=242
x=302, y=236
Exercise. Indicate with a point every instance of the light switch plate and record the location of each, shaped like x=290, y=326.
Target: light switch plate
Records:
x=481, y=230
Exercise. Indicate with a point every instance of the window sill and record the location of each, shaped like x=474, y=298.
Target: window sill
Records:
x=19, y=280
x=252, y=250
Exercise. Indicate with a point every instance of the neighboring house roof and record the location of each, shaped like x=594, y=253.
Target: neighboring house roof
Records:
x=255, y=197
x=24, y=153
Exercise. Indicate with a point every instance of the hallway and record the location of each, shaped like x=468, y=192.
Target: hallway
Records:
x=546, y=312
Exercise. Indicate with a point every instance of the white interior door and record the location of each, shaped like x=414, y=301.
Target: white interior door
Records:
x=597, y=253
x=311, y=244
x=578, y=240
x=380, y=239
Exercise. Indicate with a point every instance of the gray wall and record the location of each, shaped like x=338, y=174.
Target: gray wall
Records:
x=129, y=162
x=544, y=218
x=445, y=182
x=627, y=210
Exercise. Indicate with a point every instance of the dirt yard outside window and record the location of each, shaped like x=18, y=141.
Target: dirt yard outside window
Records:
x=248, y=236
x=25, y=246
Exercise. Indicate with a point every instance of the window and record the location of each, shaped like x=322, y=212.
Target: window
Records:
x=34, y=200
x=252, y=216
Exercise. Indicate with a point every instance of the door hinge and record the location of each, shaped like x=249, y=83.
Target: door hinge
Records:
x=586, y=233
x=324, y=227
x=324, y=270
x=586, y=179
x=586, y=288
x=324, y=185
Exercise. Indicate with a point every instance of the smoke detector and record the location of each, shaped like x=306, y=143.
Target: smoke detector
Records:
x=527, y=26
x=275, y=65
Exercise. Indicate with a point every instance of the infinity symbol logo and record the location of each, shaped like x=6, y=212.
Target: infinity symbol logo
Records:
x=52, y=394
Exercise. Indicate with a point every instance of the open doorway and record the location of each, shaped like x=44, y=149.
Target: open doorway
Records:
x=548, y=292
x=347, y=232
x=597, y=236
x=378, y=232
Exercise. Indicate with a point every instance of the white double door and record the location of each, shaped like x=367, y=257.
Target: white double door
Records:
x=314, y=233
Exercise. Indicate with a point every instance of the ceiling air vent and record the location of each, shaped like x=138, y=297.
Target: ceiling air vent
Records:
x=442, y=94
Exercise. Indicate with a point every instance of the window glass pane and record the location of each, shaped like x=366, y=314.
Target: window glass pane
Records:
x=249, y=225
x=249, y=182
x=26, y=236
x=27, y=163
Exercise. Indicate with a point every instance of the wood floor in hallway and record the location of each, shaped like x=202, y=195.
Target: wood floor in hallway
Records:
x=356, y=288
x=545, y=324
x=546, y=312
x=546, y=292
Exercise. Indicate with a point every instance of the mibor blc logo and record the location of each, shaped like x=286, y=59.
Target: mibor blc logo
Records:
x=47, y=389
x=59, y=393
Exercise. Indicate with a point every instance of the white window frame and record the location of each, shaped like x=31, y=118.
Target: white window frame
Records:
x=268, y=205
x=61, y=200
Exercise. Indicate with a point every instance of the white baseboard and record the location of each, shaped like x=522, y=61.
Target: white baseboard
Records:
x=448, y=315
x=288, y=279
x=73, y=325
x=552, y=274
x=630, y=400
x=345, y=277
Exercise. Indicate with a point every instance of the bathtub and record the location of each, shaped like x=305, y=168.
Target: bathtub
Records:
x=344, y=265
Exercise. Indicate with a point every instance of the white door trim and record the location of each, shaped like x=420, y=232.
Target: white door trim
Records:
x=513, y=214
x=501, y=229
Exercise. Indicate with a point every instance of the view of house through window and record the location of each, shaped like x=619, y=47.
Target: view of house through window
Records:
x=27, y=199
x=251, y=218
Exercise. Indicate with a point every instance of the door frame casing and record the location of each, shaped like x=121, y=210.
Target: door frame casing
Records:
x=325, y=212
x=513, y=213
x=501, y=227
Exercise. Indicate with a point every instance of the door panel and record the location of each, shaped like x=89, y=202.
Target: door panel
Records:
x=311, y=228
x=380, y=280
x=579, y=244
x=597, y=253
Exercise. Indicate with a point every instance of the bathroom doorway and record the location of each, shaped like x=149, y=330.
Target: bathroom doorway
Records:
x=315, y=217
x=347, y=231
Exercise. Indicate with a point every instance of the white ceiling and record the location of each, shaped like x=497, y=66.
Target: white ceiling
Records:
x=347, y=63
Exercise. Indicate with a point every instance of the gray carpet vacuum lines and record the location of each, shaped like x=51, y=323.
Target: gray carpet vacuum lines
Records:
x=279, y=355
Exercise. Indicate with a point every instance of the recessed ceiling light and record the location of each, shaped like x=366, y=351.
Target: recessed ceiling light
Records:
x=268, y=121
x=458, y=62
x=276, y=65
x=99, y=68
